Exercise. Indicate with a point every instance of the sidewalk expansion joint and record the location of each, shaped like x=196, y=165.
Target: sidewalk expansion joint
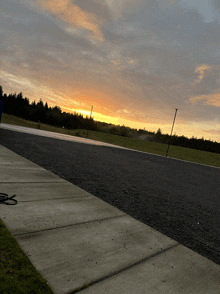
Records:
x=79, y=197
x=121, y=270
x=55, y=182
x=76, y=224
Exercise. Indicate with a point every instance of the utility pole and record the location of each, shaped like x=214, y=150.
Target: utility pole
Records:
x=171, y=132
x=90, y=117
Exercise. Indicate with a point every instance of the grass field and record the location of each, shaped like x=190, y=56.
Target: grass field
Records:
x=17, y=274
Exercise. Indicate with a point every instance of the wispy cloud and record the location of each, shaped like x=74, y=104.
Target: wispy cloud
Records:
x=211, y=99
x=16, y=81
x=73, y=15
x=201, y=71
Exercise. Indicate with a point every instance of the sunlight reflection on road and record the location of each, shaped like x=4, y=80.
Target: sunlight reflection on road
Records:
x=55, y=135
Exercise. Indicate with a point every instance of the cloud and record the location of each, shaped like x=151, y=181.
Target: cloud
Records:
x=13, y=79
x=96, y=7
x=216, y=5
x=212, y=99
x=201, y=71
x=72, y=14
x=166, y=3
x=211, y=131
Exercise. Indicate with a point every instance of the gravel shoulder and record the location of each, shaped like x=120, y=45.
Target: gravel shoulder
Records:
x=178, y=199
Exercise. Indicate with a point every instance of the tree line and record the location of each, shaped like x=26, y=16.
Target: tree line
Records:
x=17, y=105
x=193, y=143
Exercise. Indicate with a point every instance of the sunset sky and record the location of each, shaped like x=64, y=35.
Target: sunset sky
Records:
x=135, y=61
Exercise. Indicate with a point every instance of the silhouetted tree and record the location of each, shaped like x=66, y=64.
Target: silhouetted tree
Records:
x=158, y=132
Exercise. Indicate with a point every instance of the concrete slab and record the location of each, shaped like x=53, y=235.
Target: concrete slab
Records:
x=5, y=162
x=30, y=174
x=176, y=271
x=31, y=216
x=43, y=191
x=72, y=256
x=11, y=159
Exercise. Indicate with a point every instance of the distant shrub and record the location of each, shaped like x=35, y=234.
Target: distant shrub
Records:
x=77, y=134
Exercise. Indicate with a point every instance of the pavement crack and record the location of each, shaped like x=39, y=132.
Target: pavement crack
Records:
x=59, y=198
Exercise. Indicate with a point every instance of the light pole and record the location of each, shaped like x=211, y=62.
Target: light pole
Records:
x=90, y=117
x=171, y=132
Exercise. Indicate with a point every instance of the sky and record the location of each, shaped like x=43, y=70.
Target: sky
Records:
x=135, y=61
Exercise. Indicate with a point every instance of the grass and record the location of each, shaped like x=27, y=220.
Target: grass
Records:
x=17, y=274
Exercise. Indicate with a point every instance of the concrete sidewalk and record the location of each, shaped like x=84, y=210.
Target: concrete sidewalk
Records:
x=73, y=238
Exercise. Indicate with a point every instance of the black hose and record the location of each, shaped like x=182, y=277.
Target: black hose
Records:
x=4, y=197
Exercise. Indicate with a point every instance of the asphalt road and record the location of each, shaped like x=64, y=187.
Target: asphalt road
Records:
x=179, y=199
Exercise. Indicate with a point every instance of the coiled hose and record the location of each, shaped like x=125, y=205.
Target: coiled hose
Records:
x=4, y=198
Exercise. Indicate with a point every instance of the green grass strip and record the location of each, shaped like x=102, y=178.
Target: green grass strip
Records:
x=17, y=274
